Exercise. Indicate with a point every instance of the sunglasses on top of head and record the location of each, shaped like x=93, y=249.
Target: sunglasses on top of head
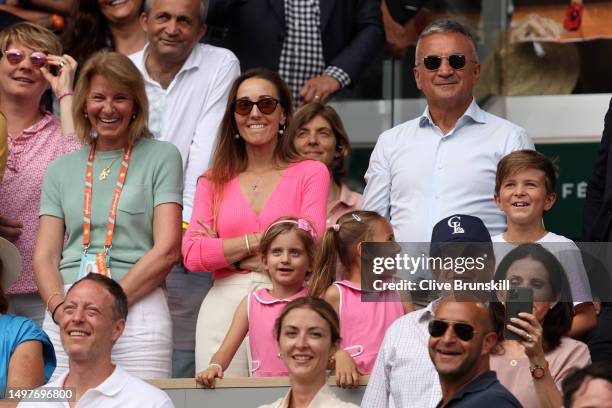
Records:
x=433, y=62
x=267, y=106
x=464, y=331
x=14, y=56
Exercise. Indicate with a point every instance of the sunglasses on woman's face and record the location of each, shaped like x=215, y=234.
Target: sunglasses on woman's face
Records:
x=267, y=106
x=14, y=56
x=433, y=62
x=464, y=331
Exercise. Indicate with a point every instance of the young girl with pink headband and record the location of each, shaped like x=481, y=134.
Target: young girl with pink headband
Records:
x=287, y=255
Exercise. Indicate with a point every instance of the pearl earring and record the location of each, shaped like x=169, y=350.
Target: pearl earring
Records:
x=85, y=114
x=281, y=130
x=133, y=116
x=279, y=355
x=237, y=136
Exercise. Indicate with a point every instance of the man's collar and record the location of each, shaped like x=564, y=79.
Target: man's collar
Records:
x=473, y=113
x=428, y=311
x=114, y=383
x=478, y=384
x=60, y=381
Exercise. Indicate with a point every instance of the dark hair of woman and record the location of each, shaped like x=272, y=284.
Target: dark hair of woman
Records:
x=86, y=21
x=558, y=320
x=87, y=31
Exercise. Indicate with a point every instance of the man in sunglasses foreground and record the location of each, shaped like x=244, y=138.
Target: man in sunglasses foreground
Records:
x=444, y=161
x=462, y=336
x=404, y=375
x=187, y=85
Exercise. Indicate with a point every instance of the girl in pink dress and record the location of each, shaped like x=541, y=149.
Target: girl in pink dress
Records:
x=362, y=324
x=287, y=249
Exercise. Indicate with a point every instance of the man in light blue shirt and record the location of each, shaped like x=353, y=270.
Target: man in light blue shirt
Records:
x=444, y=161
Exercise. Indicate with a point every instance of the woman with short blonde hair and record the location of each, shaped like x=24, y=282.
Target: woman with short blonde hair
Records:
x=30, y=63
x=127, y=225
x=125, y=77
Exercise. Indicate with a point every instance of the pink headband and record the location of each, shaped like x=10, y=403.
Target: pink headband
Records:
x=302, y=224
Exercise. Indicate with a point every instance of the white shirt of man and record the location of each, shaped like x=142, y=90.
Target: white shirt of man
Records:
x=119, y=390
x=568, y=255
x=189, y=111
x=403, y=375
x=418, y=175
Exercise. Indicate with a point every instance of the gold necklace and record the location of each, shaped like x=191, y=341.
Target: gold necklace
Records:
x=255, y=184
x=105, y=170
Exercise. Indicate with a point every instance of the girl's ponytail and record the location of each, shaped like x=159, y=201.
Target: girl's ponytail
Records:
x=339, y=243
x=325, y=263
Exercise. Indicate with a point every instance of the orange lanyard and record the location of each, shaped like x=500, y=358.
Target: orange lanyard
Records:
x=112, y=214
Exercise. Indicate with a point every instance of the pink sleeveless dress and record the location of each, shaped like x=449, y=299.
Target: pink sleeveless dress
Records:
x=363, y=324
x=263, y=310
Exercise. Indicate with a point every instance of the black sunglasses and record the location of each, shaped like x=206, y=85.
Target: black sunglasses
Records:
x=266, y=106
x=433, y=62
x=464, y=331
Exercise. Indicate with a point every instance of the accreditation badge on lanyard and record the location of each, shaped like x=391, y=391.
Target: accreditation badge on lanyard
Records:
x=100, y=262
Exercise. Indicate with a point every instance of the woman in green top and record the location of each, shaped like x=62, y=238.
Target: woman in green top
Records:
x=119, y=202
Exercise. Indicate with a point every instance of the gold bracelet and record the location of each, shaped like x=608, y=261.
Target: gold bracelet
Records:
x=51, y=297
x=248, y=246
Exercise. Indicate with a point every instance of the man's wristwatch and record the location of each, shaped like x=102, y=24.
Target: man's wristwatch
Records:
x=538, y=371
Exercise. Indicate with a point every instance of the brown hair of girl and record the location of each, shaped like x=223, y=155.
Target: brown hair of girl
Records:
x=338, y=244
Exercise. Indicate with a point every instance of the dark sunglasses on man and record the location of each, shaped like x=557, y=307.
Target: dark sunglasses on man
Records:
x=267, y=106
x=433, y=62
x=463, y=331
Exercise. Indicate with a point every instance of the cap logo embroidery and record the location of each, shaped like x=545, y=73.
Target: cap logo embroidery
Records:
x=455, y=225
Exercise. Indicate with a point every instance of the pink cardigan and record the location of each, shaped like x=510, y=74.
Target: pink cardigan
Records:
x=301, y=191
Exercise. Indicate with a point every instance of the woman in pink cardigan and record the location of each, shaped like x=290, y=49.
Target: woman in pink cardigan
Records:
x=256, y=177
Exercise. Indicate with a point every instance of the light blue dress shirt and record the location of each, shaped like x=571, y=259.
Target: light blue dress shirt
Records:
x=418, y=175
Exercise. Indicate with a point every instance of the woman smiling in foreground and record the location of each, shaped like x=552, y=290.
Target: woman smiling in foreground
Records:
x=119, y=201
x=308, y=335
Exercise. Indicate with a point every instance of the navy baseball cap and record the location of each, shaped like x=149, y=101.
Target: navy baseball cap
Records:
x=460, y=228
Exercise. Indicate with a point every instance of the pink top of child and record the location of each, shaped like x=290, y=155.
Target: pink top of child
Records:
x=363, y=324
x=263, y=310
x=301, y=192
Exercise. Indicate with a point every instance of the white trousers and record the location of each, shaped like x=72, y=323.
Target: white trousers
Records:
x=145, y=347
x=215, y=318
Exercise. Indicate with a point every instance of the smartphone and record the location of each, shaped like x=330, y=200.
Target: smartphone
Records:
x=518, y=300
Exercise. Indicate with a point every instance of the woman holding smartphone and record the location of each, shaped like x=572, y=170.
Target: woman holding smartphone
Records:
x=533, y=367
